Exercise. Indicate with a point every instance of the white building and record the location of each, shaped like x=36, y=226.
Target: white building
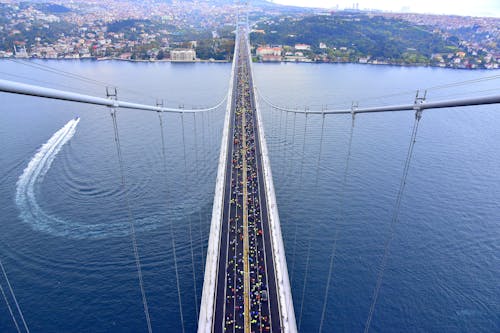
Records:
x=302, y=47
x=183, y=55
x=20, y=52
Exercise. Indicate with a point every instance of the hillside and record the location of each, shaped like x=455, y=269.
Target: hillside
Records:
x=358, y=35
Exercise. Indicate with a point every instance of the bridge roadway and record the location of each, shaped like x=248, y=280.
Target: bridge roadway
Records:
x=246, y=291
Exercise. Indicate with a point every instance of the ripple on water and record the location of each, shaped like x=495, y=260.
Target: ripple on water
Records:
x=33, y=214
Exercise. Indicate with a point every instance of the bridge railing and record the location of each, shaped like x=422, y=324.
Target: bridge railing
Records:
x=284, y=288
x=207, y=310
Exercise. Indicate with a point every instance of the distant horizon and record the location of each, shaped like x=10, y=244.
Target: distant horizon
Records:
x=481, y=8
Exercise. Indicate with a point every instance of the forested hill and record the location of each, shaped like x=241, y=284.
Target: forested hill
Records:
x=362, y=34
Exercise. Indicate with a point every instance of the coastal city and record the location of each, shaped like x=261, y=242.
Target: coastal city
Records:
x=150, y=30
x=249, y=166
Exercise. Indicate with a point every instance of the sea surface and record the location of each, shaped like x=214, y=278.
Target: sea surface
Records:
x=66, y=206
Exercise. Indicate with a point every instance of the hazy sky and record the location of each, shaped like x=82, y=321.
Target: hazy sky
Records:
x=458, y=7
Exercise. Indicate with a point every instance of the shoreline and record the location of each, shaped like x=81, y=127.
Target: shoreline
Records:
x=378, y=64
x=261, y=62
x=116, y=59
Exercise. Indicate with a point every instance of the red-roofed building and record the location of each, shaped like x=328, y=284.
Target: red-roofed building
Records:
x=269, y=54
x=267, y=51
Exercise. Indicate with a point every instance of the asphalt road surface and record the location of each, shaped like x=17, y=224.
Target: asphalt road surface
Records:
x=246, y=296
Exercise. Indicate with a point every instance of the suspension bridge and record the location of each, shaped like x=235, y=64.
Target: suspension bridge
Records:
x=246, y=286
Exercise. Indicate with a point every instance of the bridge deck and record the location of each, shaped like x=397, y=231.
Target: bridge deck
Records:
x=246, y=291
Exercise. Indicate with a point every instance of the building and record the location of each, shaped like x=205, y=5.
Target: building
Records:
x=271, y=58
x=302, y=47
x=269, y=54
x=268, y=51
x=125, y=56
x=20, y=52
x=183, y=55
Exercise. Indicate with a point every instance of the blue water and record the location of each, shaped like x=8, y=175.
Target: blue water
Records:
x=443, y=269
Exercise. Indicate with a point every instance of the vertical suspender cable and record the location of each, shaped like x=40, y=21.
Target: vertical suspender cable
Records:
x=189, y=216
x=308, y=256
x=209, y=130
x=273, y=113
x=278, y=140
x=320, y=148
x=268, y=124
x=395, y=219
x=337, y=227
x=309, y=236
x=13, y=297
x=301, y=186
x=214, y=128
x=303, y=151
x=10, y=309
x=131, y=220
x=292, y=146
x=195, y=144
x=205, y=147
x=197, y=162
x=203, y=144
x=283, y=153
x=172, y=234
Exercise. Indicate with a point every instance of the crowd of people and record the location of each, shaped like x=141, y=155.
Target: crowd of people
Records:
x=244, y=153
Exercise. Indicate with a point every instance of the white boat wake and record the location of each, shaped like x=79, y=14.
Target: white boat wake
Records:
x=33, y=214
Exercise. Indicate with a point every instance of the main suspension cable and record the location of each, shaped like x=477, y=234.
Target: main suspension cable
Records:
x=396, y=94
x=30, y=79
x=78, y=77
x=131, y=219
x=172, y=233
x=395, y=219
x=462, y=83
